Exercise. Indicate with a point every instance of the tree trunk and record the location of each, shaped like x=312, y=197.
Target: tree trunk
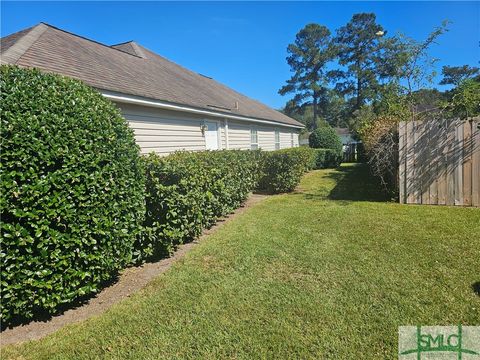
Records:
x=314, y=112
x=359, y=92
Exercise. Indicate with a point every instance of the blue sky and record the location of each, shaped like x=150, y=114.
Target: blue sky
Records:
x=243, y=44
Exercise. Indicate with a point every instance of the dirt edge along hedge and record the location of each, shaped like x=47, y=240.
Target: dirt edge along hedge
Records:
x=72, y=190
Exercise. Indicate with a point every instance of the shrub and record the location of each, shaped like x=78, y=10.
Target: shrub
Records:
x=283, y=169
x=326, y=158
x=72, y=191
x=325, y=138
x=189, y=191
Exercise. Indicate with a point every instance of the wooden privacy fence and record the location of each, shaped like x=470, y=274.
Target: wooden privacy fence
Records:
x=439, y=162
x=350, y=152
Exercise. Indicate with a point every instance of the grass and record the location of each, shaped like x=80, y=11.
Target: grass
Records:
x=328, y=272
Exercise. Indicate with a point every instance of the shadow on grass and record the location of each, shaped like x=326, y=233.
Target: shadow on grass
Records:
x=476, y=288
x=353, y=182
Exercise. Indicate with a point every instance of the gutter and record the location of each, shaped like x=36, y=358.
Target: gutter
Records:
x=137, y=100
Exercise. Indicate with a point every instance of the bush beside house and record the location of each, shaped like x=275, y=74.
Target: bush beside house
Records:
x=189, y=191
x=283, y=169
x=72, y=188
x=79, y=203
x=326, y=158
x=325, y=137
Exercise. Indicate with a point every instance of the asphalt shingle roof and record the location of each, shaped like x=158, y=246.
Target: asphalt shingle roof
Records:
x=127, y=68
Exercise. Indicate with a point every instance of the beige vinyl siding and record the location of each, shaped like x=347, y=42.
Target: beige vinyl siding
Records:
x=285, y=139
x=163, y=131
x=238, y=136
x=266, y=138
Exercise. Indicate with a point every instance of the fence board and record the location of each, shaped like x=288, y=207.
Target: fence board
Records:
x=476, y=163
x=450, y=163
x=433, y=138
x=442, y=152
x=410, y=175
x=458, y=163
x=439, y=162
x=417, y=179
x=467, y=163
x=423, y=161
x=402, y=160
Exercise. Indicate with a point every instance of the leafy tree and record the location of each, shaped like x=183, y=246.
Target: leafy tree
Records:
x=359, y=46
x=335, y=109
x=302, y=113
x=332, y=110
x=414, y=64
x=428, y=99
x=454, y=75
x=308, y=57
x=465, y=101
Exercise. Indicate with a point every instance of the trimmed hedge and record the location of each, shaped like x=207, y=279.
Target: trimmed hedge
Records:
x=325, y=137
x=72, y=190
x=189, y=191
x=326, y=158
x=284, y=168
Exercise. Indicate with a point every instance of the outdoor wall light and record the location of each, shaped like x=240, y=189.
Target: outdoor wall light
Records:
x=203, y=128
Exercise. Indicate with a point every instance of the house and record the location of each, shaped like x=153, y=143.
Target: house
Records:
x=345, y=136
x=169, y=107
x=351, y=147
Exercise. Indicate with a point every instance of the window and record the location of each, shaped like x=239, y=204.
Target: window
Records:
x=253, y=139
x=277, y=139
x=291, y=140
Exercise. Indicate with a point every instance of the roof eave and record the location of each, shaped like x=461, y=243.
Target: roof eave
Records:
x=138, y=100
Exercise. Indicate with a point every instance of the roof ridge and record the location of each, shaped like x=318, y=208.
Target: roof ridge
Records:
x=85, y=38
x=16, y=51
x=137, y=48
x=123, y=43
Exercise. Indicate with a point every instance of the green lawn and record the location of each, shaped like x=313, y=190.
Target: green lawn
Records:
x=327, y=272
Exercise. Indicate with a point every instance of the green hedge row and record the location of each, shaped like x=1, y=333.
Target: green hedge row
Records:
x=326, y=158
x=79, y=203
x=189, y=191
x=283, y=169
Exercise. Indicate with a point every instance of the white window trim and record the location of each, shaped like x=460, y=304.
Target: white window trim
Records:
x=226, y=135
x=277, y=131
x=254, y=128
